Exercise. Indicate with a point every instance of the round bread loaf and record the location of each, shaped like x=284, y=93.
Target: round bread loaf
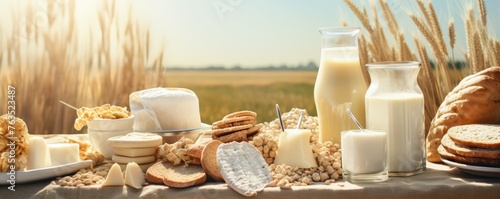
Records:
x=475, y=100
x=466, y=151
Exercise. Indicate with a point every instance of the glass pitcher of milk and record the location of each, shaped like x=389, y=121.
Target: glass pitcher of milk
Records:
x=395, y=104
x=339, y=84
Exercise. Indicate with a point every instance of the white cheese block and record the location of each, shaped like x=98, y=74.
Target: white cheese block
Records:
x=165, y=109
x=134, y=176
x=38, y=153
x=115, y=177
x=138, y=160
x=134, y=152
x=243, y=168
x=294, y=149
x=64, y=153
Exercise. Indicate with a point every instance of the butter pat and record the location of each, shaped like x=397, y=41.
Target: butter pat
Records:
x=134, y=176
x=294, y=149
x=64, y=153
x=38, y=153
x=115, y=177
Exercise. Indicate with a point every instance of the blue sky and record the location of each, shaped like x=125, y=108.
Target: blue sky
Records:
x=253, y=33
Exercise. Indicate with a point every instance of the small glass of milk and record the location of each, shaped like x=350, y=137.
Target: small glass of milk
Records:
x=364, y=155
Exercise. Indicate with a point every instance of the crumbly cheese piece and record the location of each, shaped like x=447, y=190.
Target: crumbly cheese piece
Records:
x=243, y=168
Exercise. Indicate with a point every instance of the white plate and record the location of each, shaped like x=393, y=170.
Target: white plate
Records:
x=203, y=126
x=50, y=172
x=475, y=170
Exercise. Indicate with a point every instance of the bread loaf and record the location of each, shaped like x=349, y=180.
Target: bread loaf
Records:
x=475, y=100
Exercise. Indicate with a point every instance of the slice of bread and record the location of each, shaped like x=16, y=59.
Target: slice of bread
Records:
x=467, y=160
x=179, y=176
x=209, y=160
x=466, y=151
x=476, y=135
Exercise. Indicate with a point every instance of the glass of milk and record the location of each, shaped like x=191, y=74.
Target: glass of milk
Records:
x=364, y=156
x=395, y=104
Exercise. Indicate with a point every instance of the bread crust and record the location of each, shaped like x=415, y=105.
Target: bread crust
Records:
x=475, y=100
x=209, y=160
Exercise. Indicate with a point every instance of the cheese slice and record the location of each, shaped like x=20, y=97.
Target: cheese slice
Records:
x=134, y=176
x=114, y=178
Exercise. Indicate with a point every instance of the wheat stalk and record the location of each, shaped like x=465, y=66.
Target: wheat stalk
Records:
x=451, y=33
x=482, y=11
x=361, y=15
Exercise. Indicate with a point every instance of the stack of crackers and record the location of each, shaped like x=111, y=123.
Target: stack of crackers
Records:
x=475, y=144
x=238, y=126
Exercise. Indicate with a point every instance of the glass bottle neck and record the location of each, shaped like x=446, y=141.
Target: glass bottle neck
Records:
x=394, y=78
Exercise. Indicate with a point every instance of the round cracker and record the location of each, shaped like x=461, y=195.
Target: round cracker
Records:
x=138, y=160
x=229, y=130
x=134, y=152
x=209, y=160
x=241, y=113
x=239, y=136
x=222, y=125
x=254, y=129
x=233, y=120
x=136, y=140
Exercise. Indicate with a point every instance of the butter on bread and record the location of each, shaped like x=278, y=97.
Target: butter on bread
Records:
x=475, y=100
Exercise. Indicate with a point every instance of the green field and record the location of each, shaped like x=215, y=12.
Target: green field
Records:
x=222, y=92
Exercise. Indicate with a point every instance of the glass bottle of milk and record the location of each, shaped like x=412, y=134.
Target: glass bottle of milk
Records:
x=395, y=104
x=339, y=84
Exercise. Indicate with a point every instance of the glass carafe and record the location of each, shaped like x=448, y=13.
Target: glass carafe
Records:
x=395, y=104
x=339, y=84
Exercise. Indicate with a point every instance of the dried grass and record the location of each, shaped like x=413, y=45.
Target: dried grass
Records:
x=483, y=50
x=83, y=66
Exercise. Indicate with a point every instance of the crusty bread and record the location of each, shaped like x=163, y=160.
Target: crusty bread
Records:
x=459, y=149
x=476, y=135
x=195, y=151
x=467, y=160
x=473, y=101
x=209, y=160
x=179, y=176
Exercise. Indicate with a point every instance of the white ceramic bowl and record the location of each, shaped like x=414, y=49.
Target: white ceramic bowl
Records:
x=100, y=130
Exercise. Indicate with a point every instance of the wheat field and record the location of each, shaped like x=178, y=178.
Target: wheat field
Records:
x=223, y=92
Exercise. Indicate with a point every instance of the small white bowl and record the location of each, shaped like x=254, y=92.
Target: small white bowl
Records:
x=100, y=130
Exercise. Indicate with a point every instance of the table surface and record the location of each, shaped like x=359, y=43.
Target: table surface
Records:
x=438, y=181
